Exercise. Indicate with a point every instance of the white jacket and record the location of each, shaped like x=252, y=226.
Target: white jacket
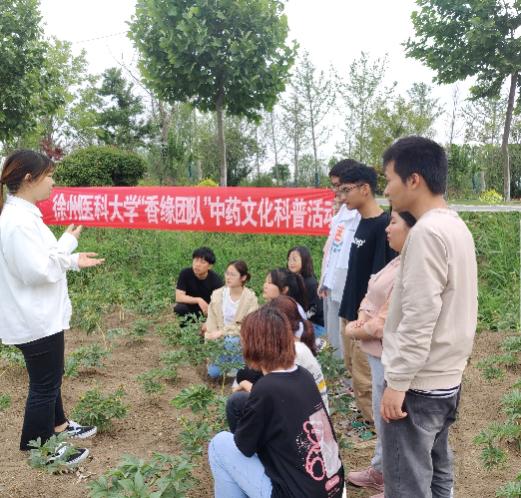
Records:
x=34, y=301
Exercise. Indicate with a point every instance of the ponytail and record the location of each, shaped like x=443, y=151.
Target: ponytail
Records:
x=18, y=165
x=297, y=289
x=308, y=336
x=301, y=326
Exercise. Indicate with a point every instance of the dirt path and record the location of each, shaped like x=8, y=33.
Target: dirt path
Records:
x=151, y=425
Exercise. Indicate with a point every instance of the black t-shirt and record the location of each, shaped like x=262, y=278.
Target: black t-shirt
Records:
x=195, y=287
x=370, y=252
x=286, y=424
x=315, y=309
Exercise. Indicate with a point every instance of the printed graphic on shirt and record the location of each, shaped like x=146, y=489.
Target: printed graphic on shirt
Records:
x=358, y=242
x=339, y=238
x=319, y=449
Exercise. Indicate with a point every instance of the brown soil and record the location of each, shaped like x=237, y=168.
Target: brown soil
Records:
x=151, y=424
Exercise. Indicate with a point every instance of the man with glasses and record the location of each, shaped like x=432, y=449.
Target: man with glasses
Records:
x=369, y=253
x=336, y=259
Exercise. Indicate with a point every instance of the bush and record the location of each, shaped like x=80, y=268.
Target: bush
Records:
x=161, y=476
x=207, y=182
x=100, y=166
x=94, y=408
x=491, y=197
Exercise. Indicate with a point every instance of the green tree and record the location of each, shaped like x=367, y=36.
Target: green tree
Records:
x=281, y=172
x=171, y=151
x=81, y=128
x=240, y=152
x=484, y=119
x=296, y=130
x=61, y=74
x=362, y=92
x=219, y=55
x=396, y=116
x=315, y=89
x=22, y=55
x=424, y=109
x=119, y=120
x=474, y=38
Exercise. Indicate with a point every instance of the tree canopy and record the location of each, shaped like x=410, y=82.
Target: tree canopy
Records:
x=22, y=52
x=219, y=55
x=473, y=38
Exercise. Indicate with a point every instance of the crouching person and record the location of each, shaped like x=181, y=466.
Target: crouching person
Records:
x=284, y=444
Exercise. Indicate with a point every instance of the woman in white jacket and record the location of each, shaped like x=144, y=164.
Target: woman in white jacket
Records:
x=34, y=301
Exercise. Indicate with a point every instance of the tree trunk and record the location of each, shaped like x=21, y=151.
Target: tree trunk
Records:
x=455, y=99
x=257, y=158
x=164, y=122
x=221, y=140
x=506, y=135
x=309, y=98
x=314, y=142
x=295, y=160
x=275, y=148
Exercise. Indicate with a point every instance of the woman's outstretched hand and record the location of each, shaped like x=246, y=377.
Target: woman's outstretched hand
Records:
x=88, y=260
x=75, y=230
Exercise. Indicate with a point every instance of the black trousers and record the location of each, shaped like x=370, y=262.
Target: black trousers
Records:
x=182, y=310
x=44, y=359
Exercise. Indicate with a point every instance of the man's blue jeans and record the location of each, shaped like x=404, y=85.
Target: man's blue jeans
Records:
x=417, y=459
x=236, y=475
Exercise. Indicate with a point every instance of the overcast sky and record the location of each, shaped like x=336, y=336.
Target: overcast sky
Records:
x=333, y=31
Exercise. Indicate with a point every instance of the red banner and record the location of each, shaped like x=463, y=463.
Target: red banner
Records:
x=299, y=211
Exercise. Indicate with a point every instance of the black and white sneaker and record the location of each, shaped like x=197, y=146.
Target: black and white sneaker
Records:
x=70, y=455
x=77, y=431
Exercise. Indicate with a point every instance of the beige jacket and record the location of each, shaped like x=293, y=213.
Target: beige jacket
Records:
x=215, y=320
x=430, y=326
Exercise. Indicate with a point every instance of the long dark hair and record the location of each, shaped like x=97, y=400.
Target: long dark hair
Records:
x=18, y=165
x=307, y=261
x=296, y=288
x=289, y=307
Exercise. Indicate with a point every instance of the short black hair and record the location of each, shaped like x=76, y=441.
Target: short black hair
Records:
x=341, y=166
x=204, y=253
x=360, y=174
x=419, y=155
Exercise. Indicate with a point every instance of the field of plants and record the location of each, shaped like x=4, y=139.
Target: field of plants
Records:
x=133, y=372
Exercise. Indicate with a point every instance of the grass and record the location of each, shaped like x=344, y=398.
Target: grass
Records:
x=497, y=245
x=141, y=267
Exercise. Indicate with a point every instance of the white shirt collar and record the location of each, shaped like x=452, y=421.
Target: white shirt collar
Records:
x=13, y=200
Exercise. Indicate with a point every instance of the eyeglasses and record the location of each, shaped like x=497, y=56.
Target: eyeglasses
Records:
x=346, y=190
x=230, y=274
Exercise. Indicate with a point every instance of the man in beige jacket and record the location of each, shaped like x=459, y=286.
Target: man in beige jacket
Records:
x=430, y=326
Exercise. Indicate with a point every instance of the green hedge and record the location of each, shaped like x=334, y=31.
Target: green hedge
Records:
x=99, y=166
